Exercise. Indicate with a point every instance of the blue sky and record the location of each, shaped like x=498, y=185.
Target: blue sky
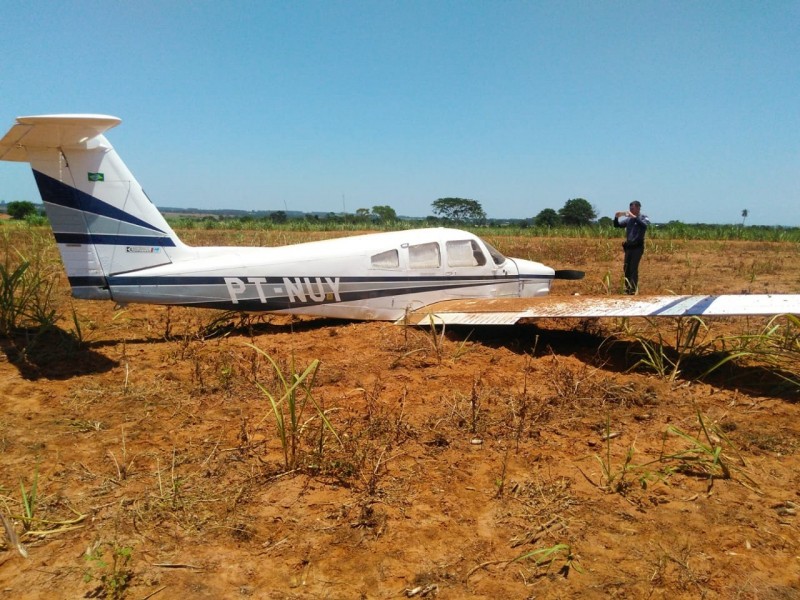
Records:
x=693, y=108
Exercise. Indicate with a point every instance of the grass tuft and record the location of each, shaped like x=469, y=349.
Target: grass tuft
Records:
x=288, y=404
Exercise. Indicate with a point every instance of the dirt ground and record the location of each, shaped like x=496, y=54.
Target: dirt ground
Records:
x=520, y=462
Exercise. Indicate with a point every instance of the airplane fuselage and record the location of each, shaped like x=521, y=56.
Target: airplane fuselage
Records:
x=374, y=276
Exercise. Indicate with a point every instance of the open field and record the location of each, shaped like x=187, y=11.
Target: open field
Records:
x=140, y=455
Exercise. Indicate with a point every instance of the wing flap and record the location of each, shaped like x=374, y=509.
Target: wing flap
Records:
x=508, y=311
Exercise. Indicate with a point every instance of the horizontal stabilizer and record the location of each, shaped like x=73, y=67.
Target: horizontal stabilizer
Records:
x=52, y=132
x=508, y=311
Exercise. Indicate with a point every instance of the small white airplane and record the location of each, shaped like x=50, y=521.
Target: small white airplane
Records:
x=116, y=246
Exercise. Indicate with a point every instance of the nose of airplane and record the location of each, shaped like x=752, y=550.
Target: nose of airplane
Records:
x=534, y=278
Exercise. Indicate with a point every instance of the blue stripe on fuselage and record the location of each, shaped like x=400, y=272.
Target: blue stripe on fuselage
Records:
x=188, y=280
x=381, y=287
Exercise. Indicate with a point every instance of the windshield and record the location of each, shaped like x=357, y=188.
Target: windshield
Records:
x=498, y=258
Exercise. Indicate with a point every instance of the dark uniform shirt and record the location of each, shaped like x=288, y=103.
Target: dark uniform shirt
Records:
x=635, y=228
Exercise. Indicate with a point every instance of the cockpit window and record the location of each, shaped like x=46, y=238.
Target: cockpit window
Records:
x=498, y=258
x=424, y=256
x=386, y=260
x=464, y=253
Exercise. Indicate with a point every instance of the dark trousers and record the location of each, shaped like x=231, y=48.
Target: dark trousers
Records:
x=631, y=266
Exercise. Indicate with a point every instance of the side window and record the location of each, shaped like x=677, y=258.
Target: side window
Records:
x=386, y=260
x=465, y=253
x=424, y=256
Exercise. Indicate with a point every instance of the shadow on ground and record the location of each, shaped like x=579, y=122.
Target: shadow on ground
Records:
x=613, y=353
x=52, y=353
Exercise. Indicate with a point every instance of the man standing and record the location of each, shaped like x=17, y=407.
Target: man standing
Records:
x=635, y=225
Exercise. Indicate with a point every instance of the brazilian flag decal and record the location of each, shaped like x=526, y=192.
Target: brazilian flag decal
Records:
x=96, y=177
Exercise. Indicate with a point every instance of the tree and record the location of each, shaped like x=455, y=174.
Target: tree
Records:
x=384, y=213
x=547, y=218
x=744, y=216
x=278, y=216
x=577, y=212
x=362, y=214
x=605, y=222
x=459, y=209
x=19, y=209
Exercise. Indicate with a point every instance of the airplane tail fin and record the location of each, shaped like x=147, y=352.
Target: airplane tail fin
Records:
x=104, y=223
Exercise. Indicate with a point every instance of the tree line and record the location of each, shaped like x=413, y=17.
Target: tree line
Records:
x=447, y=210
x=576, y=211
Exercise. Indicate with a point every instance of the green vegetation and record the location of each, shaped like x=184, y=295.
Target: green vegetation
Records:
x=30, y=310
x=29, y=498
x=690, y=344
x=547, y=218
x=20, y=209
x=459, y=210
x=26, y=288
x=385, y=214
x=577, y=212
x=288, y=404
x=112, y=573
x=708, y=454
x=576, y=219
x=704, y=454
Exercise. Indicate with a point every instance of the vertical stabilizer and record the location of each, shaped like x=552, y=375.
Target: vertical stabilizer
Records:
x=103, y=221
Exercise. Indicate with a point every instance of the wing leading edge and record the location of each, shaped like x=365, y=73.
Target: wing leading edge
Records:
x=508, y=311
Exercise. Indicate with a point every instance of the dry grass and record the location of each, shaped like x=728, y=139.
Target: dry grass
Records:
x=458, y=467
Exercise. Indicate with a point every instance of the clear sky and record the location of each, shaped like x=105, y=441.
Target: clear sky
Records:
x=693, y=108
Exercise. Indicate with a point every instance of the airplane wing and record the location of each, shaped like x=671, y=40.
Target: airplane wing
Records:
x=508, y=311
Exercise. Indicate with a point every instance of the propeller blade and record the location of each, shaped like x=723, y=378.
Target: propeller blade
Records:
x=569, y=274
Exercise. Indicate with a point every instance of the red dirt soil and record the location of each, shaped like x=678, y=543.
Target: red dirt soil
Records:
x=514, y=462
